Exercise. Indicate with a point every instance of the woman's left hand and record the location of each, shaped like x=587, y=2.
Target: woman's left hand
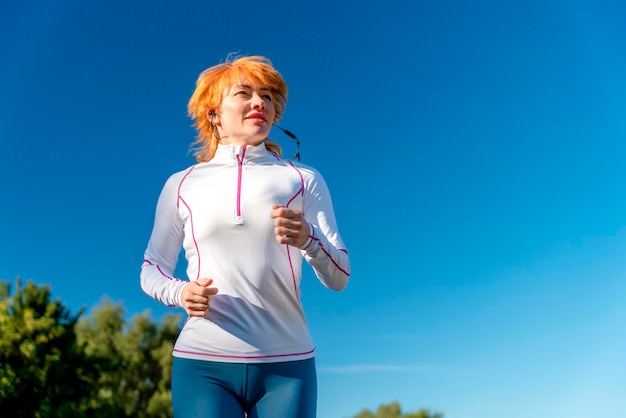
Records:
x=289, y=226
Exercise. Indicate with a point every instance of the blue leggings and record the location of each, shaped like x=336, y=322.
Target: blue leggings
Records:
x=210, y=389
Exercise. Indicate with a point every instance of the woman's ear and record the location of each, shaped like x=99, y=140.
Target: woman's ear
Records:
x=214, y=118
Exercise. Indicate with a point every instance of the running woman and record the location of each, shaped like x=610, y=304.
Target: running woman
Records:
x=246, y=219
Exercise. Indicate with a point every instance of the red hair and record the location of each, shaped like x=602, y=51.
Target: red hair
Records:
x=210, y=87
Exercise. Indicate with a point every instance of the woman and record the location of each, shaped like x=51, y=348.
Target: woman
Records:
x=246, y=218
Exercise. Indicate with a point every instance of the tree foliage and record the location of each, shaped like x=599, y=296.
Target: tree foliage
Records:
x=134, y=360
x=393, y=410
x=54, y=364
x=43, y=372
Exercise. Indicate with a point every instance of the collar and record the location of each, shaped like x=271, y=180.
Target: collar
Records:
x=250, y=153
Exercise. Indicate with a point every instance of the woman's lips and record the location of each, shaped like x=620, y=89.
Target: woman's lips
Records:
x=258, y=116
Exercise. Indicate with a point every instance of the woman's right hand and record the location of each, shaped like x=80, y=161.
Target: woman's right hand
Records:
x=196, y=296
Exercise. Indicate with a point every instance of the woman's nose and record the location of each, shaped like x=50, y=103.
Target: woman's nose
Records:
x=258, y=102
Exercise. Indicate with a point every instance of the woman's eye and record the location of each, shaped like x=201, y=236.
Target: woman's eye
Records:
x=267, y=97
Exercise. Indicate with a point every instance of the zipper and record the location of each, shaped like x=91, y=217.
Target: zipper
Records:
x=240, y=158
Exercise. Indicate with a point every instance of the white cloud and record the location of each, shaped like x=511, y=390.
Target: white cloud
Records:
x=366, y=368
x=397, y=337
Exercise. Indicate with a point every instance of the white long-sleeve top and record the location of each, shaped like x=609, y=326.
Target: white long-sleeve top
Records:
x=219, y=213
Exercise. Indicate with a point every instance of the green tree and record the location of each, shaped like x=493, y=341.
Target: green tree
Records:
x=393, y=410
x=43, y=372
x=134, y=360
x=54, y=364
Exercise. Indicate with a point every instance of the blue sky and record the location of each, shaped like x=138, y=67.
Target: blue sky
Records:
x=474, y=150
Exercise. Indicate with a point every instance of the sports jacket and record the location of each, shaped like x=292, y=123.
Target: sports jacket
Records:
x=219, y=213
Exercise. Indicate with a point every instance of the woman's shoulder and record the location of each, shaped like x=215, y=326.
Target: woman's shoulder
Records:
x=179, y=176
x=306, y=169
x=182, y=173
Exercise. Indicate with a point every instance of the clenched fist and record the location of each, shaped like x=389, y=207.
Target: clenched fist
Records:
x=289, y=226
x=196, y=296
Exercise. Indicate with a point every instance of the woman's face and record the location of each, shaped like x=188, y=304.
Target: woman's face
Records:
x=246, y=114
